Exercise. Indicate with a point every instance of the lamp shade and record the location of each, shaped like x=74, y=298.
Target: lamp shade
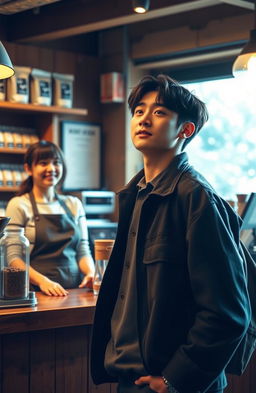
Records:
x=6, y=67
x=246, y=61
x=141, y=6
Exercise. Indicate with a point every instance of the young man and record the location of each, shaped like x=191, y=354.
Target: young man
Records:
x=172, y=306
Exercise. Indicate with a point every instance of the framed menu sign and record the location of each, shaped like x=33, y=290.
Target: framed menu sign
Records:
x=80, y=142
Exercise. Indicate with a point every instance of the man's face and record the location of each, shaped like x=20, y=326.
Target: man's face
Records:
x=153, y=126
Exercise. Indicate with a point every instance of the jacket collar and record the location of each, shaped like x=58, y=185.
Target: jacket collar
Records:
x=166, y=181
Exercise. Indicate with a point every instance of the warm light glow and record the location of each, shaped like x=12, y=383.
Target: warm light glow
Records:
x=252, y=63
x=245, y=65
x=140, y=6
x=5, y=72
x=6, y=67
x=139, y=10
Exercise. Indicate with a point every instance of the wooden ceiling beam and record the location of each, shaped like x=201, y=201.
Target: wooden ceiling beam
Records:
x=70, y=18
x=248, y=4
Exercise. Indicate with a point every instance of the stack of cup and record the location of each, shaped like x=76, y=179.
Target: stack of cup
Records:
x=102, y=252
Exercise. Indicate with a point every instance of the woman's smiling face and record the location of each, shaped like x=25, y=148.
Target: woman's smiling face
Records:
x=47, y=172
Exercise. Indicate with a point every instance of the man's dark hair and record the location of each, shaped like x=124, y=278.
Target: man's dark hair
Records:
x=175, y=97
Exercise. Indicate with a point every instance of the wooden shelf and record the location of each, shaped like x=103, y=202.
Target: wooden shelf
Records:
x=9, y=189
x=13, y=150
x=6, y=105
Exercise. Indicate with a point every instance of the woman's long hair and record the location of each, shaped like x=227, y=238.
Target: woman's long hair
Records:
x=40, y=151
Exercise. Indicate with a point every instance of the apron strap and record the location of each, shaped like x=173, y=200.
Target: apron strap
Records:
x=64, y=206
x=34, y=206
x=61, y=202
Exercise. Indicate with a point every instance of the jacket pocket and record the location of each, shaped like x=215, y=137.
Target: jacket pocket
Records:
x=160, y=252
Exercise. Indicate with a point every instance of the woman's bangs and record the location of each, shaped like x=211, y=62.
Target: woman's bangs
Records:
x=45, y=153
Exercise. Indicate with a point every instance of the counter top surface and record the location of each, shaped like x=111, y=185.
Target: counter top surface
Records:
x=77, y=308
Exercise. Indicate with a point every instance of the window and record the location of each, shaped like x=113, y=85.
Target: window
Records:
x=225, y=149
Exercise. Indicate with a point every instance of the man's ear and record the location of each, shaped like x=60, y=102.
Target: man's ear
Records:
x=27, y=169
x=187, y=130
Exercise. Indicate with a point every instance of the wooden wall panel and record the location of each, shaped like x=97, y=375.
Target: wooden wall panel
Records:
x=64, y=62
x=72, y=360
x=15, y=363
x=11, y=49
x=113, y=387
x=85, y=69
x=114, y=55
x=42, y=361
x=46, y=59
x=87, y=86
x=27, y=56
x=245, y=383
x=1, y=355
x=103, y=388
x=57, y=361
x=114, y=144
x=216, y=32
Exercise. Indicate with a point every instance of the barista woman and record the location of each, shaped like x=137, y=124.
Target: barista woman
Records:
x=55, y=224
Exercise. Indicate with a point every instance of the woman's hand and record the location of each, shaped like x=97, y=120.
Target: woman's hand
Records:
x=155, y=383
x=87, y=281
x=86, y=265
x=47, y=286
x=52, y=288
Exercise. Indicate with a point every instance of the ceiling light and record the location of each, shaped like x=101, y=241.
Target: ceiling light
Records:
x=140, y=6
x=6, y=67
x=245, y=64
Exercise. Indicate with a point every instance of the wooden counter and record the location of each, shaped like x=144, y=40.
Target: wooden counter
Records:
x=45, y=349
x=76, y=309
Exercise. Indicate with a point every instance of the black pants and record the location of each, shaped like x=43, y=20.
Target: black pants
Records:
x=130, y=387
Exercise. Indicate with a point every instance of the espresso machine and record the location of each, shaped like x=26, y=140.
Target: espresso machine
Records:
x=14, y=278
x=98, y=206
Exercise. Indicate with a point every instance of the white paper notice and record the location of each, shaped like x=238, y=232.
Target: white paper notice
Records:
x=81, y=147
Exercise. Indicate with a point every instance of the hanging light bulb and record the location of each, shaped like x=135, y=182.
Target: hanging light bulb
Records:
x=6, y=67
x=245, y=63
x=140, y=6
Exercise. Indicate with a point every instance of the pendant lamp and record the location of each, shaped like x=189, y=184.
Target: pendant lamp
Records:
x=140, y=6
x=6, y=67
x=245, y=64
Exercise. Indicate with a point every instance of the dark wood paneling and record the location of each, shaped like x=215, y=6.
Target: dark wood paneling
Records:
x=87, y=86
x=103, y=388
x=245, y=383
x=113, y=387
x=42, y=361
x=114, y=143
x=71, y=360
x=1, y=366
x=15, y=363
x=46, y=59
x=64, y=62
x=57, y=360
x=27, y=56
x=84, y=68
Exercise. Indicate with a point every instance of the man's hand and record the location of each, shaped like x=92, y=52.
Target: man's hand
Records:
x=155, y=383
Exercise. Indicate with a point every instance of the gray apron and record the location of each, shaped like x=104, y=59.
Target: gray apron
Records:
x=56, y=239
